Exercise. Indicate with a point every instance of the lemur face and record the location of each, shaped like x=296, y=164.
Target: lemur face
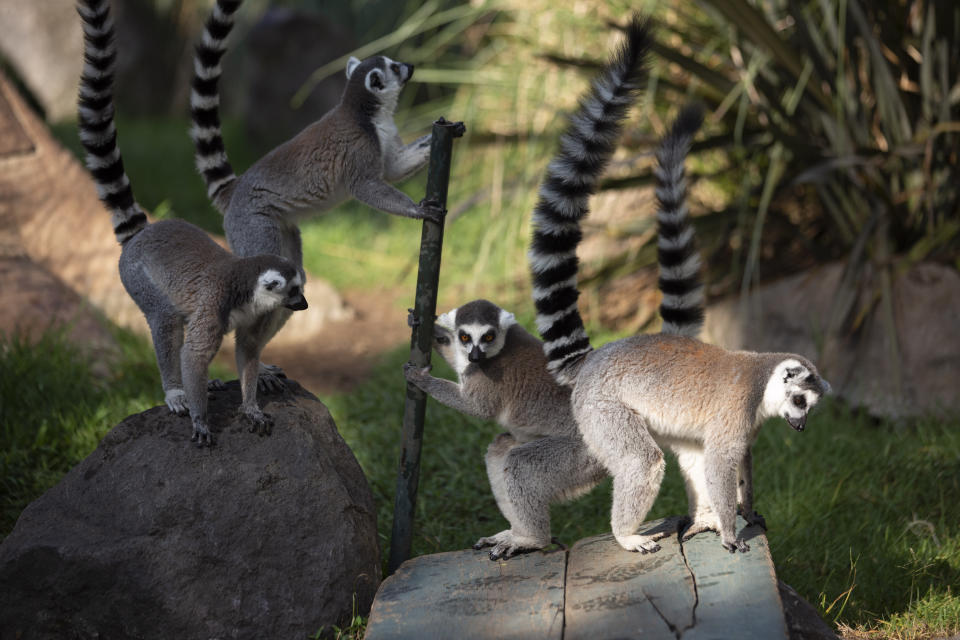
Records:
x=479, y=341
x=472, y=333
x=381, y=74
x=274, y=291
x=792, y=391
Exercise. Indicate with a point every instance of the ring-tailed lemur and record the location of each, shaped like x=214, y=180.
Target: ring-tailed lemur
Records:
x=501, y=368
x=502, y=376
x=353, y=150
x=190, y=289
x=633, y=396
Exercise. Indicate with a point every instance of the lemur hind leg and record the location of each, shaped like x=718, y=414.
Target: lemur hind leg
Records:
x=200, y=344
x=619, y=437
x=701, y=518
x=526, y=479
x=166, y=329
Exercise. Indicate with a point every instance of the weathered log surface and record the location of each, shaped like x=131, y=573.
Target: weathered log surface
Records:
x=462, y=594
x=596, y=590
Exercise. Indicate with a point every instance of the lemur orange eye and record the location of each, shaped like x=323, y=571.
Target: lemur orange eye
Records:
x=395, y=68
x=464, y=338
x=488, y=337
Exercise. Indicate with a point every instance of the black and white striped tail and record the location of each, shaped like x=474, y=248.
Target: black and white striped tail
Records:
x=95, y=112
x=211, y=156
x=572, y=177
x=682, y=308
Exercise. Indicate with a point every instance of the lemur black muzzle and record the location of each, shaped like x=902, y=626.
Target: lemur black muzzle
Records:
x=475, y=355
x=297, y=305
x=797, y=423
x=409, y=69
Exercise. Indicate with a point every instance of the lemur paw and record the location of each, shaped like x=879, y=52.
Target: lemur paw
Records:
x=260, y=423
x=216, y=384
x=269, y=383
x=736, y=545
x=430, y=209
x=753, y=518
x=643, y=544
x=176, y=400
x=413, y=373
x=506, y=544
x=270, y=378
x=201, y=435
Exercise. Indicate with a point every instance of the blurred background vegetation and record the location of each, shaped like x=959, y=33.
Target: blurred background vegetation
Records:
x=833, y=134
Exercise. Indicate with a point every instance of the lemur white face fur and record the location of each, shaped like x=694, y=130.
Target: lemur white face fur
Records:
x=386, y=79
x=272, y=291
x=791, y=392
x=475, y=337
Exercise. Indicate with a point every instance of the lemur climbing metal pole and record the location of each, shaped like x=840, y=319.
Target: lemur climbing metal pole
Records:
x=421, y=342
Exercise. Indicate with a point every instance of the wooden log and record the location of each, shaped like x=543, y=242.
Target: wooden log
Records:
x=465, y=595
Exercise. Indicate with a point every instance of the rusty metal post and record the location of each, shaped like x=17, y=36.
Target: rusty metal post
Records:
x=421, y=342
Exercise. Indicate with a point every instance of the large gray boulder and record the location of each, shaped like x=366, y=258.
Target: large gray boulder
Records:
x=151, y=537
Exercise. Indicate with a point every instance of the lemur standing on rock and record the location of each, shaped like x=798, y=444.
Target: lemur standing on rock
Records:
x=501, y=368
x=354, y=150
x=633, y=396
x=190, y=289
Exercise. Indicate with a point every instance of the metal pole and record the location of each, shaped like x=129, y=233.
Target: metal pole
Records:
x=421, y=342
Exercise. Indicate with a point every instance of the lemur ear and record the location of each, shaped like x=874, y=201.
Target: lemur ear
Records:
x=375, y=80
x=447, y=320
x=351, y=65
x=507, y=319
